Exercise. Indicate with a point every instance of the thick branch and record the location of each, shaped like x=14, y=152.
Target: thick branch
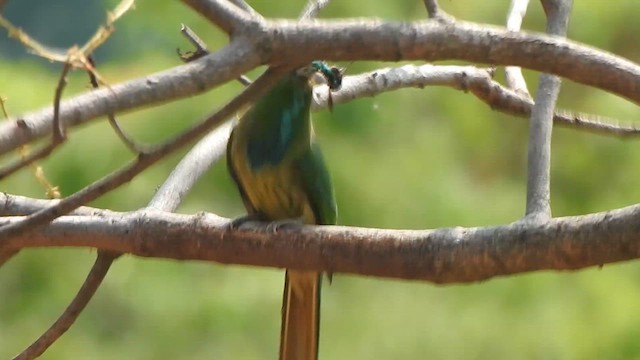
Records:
x=443, y=256
x=286, y=42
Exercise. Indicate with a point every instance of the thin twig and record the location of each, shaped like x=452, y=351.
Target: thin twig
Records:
x=539, y=153
x=469, y=79
x=52, y=192
x=30, y=158
x=436, y=13
x=58, y=127
x=312, y=9
x=79, y=302
x=200, y=50
x=58, y=133
x=513, y=74
x=432, y=8
x=128, y=141
x=247, y=8
x=78, y=58
x=103, y=32
x=3, y=107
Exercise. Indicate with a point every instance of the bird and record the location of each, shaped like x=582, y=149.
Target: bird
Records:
x=281, y=175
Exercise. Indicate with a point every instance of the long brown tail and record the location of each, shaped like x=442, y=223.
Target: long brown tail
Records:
x=300, y=316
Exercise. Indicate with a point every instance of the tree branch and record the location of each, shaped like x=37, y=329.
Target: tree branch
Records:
x=15, y=205
x=167, y=198
x=449, y=255
x=207, y=151
x=513, y=74
x=246, y=8
x=435, y=12
x=312, y=8
x=541, y=123
x=79, y=302
x=286, y=42
x=465, y=78
x=58, y=132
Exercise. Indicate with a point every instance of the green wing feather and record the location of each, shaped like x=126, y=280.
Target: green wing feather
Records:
x=317, y=183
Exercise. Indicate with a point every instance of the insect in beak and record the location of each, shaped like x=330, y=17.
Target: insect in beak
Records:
x=332, y=75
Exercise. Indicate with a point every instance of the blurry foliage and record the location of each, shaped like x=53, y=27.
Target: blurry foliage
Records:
x=409, y=159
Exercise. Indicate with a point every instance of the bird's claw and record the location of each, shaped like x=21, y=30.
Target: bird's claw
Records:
x=253, y=222
x=292, y=224
x=242, y=221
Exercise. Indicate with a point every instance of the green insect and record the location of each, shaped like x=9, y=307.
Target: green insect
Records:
x=281, y=175
x=333, y=75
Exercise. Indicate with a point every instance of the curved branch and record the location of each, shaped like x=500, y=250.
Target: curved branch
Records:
x=465, y=78
x=287, y=42
x=449, y=255
x=198, y=160
x=79, y=302
x=432, y=41
x=59, y=134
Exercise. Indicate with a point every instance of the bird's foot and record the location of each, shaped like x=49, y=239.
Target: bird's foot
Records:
x=256, y=222
x=291, y=224
x=246, y=221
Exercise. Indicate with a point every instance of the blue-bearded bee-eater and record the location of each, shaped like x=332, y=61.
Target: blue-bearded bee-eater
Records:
x=281, y=175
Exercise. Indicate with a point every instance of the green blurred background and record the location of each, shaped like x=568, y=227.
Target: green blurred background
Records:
x=427, y=158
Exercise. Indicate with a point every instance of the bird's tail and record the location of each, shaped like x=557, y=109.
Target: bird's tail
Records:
x=300, y=316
